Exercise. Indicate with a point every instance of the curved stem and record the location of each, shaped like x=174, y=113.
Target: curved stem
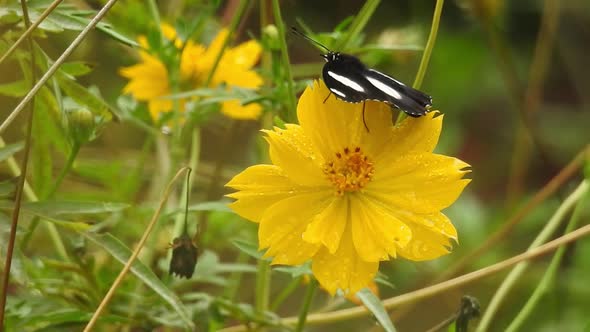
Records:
x=426, y=292
x=135, y=253
x=306, y=304
x=549, y=276
x=292, y=111
x=518, y=270
x=427, y=51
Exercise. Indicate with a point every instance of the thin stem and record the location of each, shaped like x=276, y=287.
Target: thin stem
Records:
x=21, y=182
x=358, y=24
x=135, y=253
x=237, y=17
x=427, y=51
x=30, y=29
x=429, y=44
x=518, y=270
x=188, y=191
x=549, y=189
x=549, y=275
x=64, y=171
x=306, y=304
x=55, y=66
x=262, y=286
x=153, y=8
x=292, y=111
x=282, y=296
x=426, y=292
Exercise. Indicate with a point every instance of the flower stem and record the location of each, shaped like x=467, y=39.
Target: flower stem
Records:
x=427, y=51
x=306, y=304
x=358, y=24
x=56, y=239
x=292, y=110
x=549, y=275
x=21, y=182
x=519, y=269
x=135, y=253
x=263, y=285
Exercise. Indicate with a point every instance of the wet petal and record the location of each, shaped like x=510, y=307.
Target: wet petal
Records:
x=292, y=151
x=376, y=233
x=281, y=229
x=425, y=244
x=334, y=124
x=421, y=183
x=414, y=135
x=436, y=222
x=261, y=186
x=328, y=226
x=344, y=269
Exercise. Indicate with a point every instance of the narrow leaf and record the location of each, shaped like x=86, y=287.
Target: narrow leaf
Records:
x=375, y=306
x=14, y=89
x=122, y=253
x=9, y=150
x=56, y=208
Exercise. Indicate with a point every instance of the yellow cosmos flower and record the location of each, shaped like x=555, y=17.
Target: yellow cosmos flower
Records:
x=347, y=198
x=149, y=80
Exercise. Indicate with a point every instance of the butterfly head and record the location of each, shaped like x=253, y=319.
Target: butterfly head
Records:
x=331, y=56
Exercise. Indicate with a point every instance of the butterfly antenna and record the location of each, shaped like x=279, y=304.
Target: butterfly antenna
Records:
x=301, y=34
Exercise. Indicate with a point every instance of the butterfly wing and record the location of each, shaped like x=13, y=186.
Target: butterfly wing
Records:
x=389, y=90
x=344, y=78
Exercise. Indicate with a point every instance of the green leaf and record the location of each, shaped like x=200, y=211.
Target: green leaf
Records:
x=82, y=96
x=249, y=248
x=56, y=208
x=122, y=253
x=220, y=206
x=77, y=68
x=14, y=89
x=10, y=149
x=375, y=306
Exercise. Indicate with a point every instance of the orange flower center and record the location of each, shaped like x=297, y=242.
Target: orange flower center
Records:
x=350, y=171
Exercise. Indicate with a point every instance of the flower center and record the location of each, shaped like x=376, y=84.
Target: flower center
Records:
x=350, y=171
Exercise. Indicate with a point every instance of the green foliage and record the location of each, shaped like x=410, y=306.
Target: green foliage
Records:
x=100, y=161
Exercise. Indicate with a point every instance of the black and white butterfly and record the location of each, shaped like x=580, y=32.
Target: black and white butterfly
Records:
x=351, y=81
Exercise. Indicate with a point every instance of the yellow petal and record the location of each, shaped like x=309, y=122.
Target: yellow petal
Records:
x=168, y=31
x=414, y=135
x=159, y=106
x=245, y=55
x=328, y=226
x=344, y=269
x=281, y=229
x=206, y=62
x=236, y=77
x=334, y=124
x=376, y=233
x=436, y=222
x=291, y=150
x=420, y=183
x=188, y=61
x=147, y=80
x=425, y=245
x=235, y=110
x=261, y=186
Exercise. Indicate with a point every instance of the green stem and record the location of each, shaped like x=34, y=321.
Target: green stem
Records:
x=262, y=285
x=285, y=293
x=292, y=111
x=358, y=24
x=193, y=163
x=153, y=7
x=549, y=276
x=306, y=304
x=54, y=235
x=237, y=17
x=520, y=268
x=21, y=182
x=427, y=51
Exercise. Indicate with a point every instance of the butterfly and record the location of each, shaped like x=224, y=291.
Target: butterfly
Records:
x=352, y=81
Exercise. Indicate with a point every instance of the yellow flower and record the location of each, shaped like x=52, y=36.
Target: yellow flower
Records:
x=149, y=80
x=347, y=198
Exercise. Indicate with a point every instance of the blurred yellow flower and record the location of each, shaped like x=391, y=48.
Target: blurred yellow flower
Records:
x=149, y=80
x=347, y=198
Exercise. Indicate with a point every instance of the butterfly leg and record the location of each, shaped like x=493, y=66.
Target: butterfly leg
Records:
x=329, y=94
x=364, y=121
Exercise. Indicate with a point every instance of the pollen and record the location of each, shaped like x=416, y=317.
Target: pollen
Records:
x=349, y=171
